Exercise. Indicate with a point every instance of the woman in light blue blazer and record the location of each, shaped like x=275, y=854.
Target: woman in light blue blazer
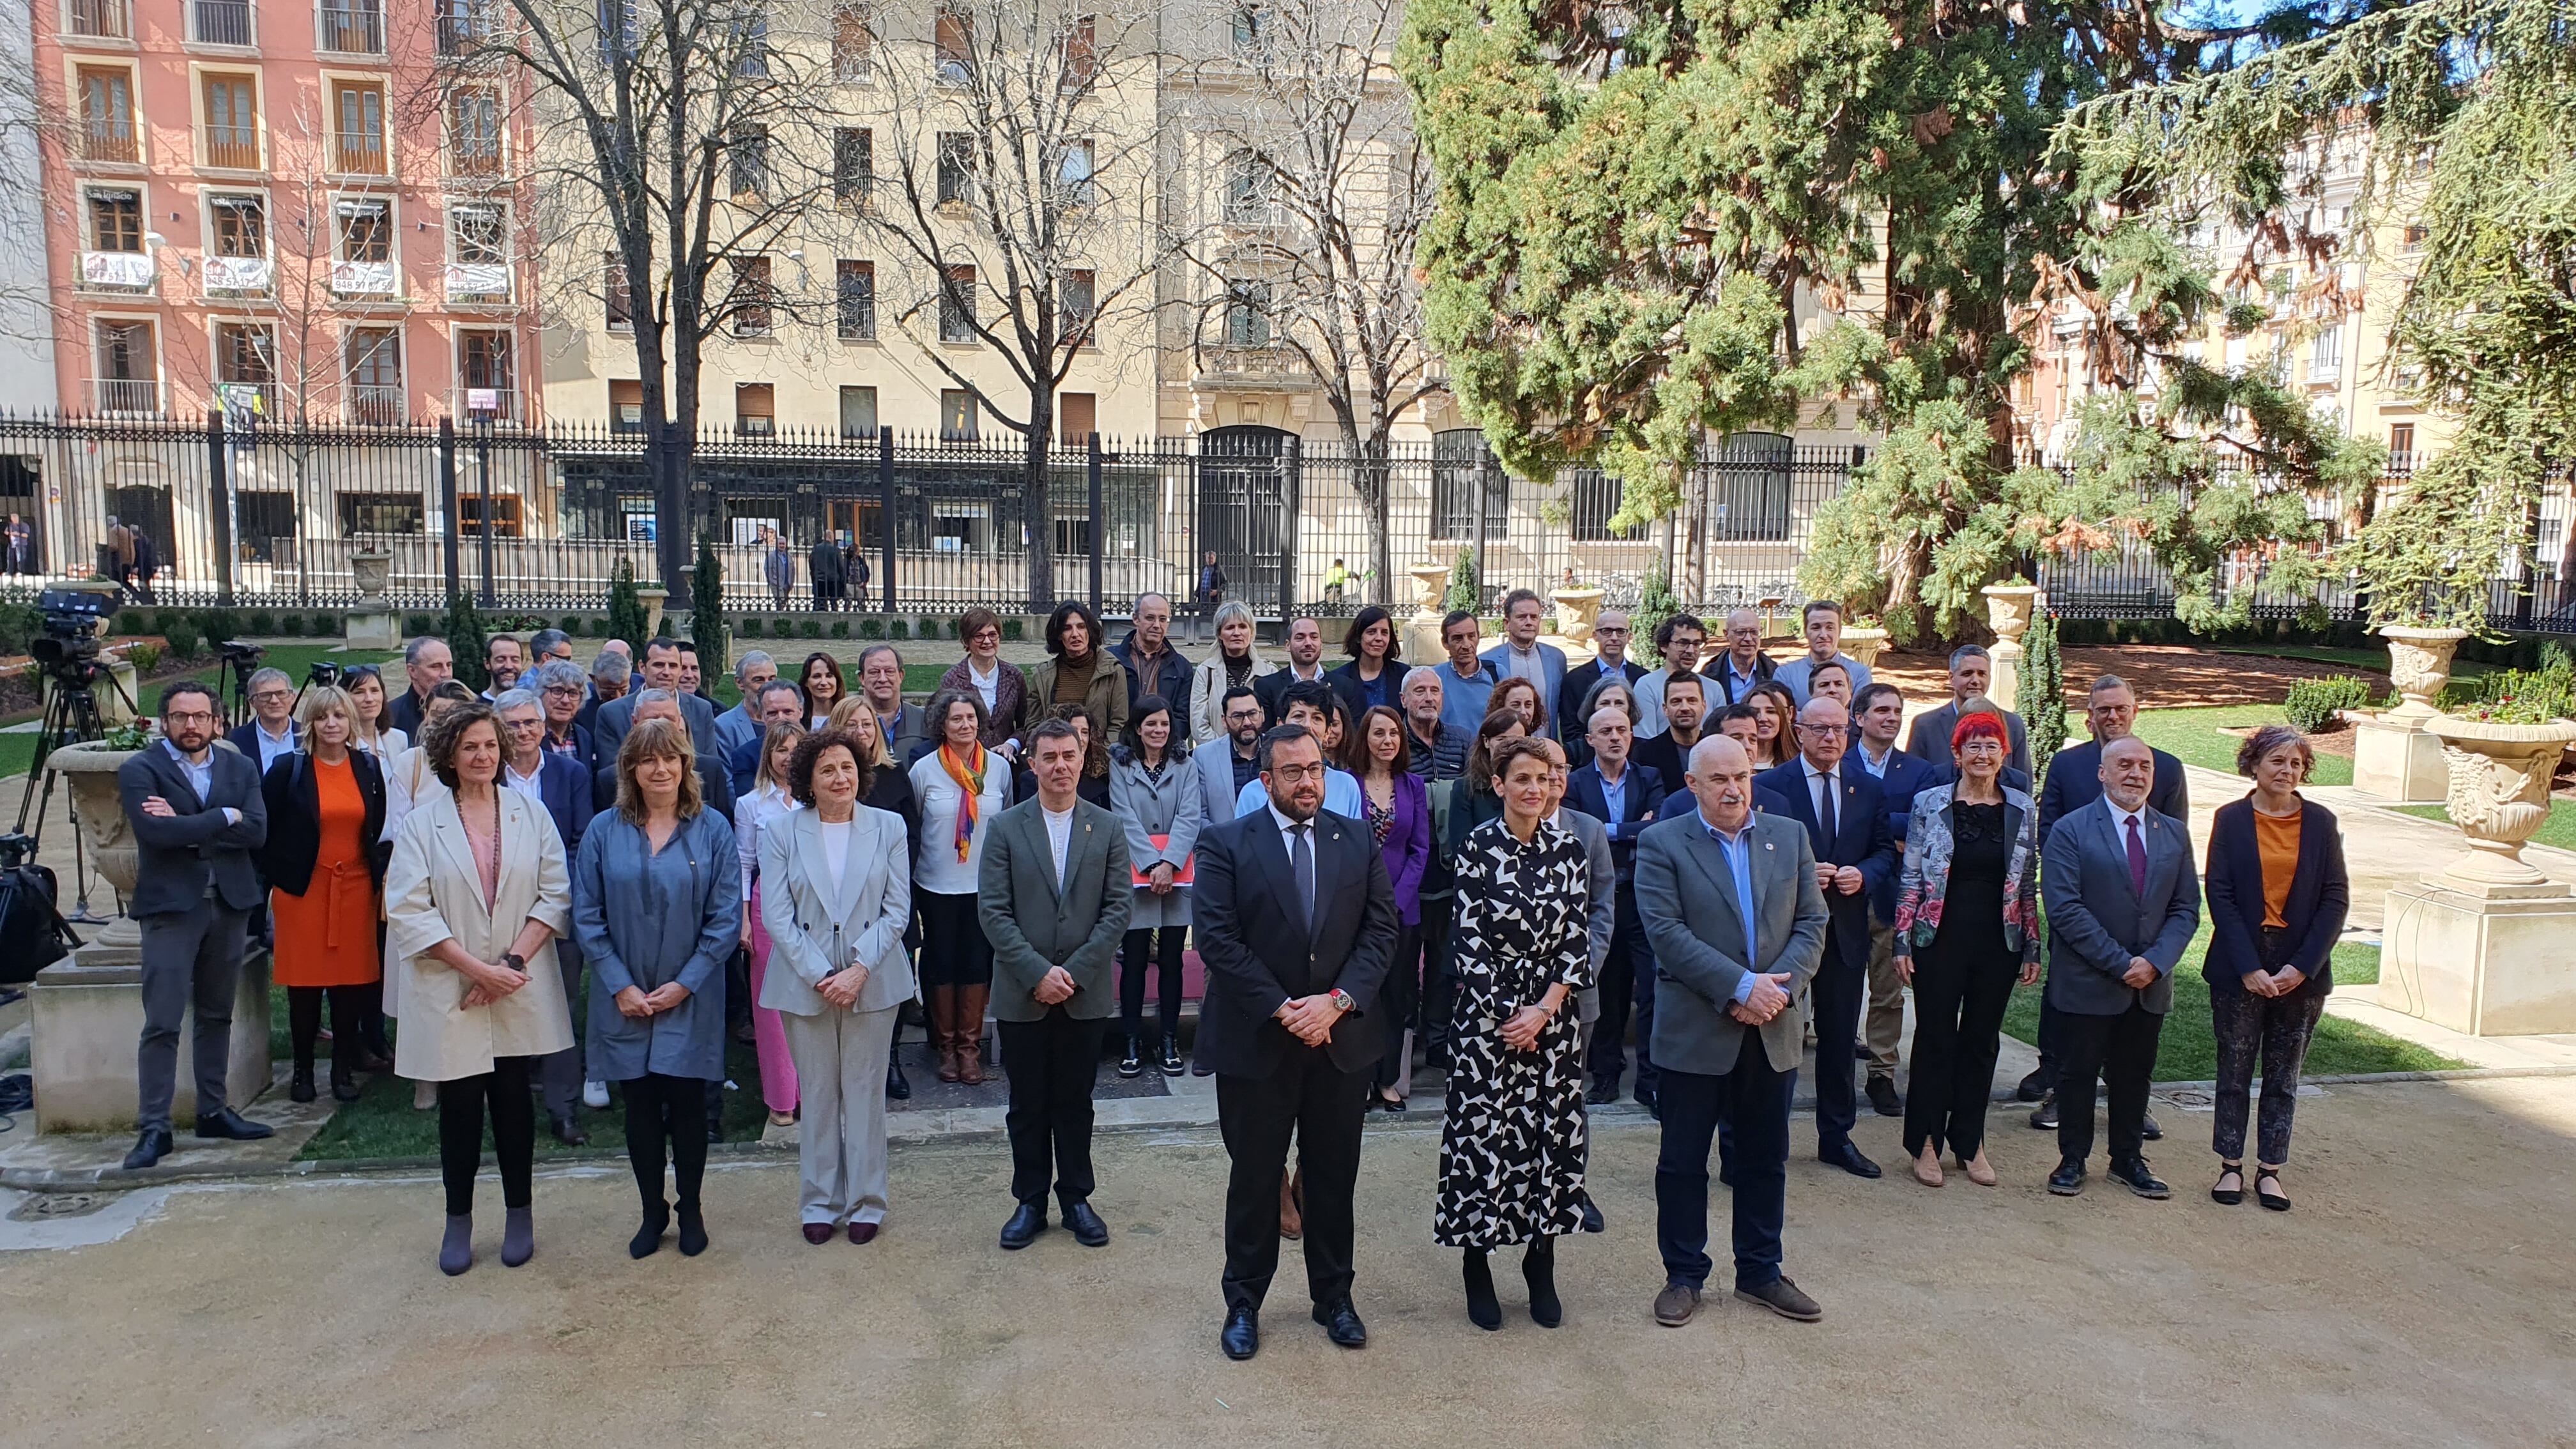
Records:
x=835, y=894
x=657, y=907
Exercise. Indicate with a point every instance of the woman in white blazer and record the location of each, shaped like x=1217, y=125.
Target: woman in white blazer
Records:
x=1233, y=661
x=476, y=894
x=835, y=895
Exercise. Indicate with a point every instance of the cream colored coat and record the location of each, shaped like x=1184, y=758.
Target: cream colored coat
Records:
x=1207, y=692
x=433, y=893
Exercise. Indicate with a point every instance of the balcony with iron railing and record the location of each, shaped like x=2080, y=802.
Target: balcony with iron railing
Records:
x=476, y=406
x=250, y=401
x=377, y=404
x=221, y=22
x=349, y=29
x=98, y=19
x=126, y=396
x=359, y=153
x=109, y=139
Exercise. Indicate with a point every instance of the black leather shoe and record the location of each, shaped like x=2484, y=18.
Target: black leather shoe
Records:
x=1088, y=1229
x=1342, y=1324
x=299, y=1088
x=2067, y=1180
x=2033, y=1087
x=2134, y=1176
x=1592, y=1222
x=149, y=1148
x=1131, y=1063
x=2147, y=1128
x=2043, y=1118
x=1242, y=1336
x=1860, y=1051
x=229, y=1124
x=1882, y=1097
x=569, y=1132
x=898, y=1086
x=1171, y=1062
x=1848, y=1158
x=1602, y=1093
x=1027, y=1221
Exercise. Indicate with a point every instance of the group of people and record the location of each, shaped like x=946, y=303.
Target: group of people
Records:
x=1544, y=876
x=836, y=569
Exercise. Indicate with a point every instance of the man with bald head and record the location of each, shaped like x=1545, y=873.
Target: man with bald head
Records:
x=1610, y=643
x=1730, y=903
x=2118, y=882
x=1844, y=809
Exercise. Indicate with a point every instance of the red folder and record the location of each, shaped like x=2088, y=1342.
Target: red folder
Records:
x=1186, y=875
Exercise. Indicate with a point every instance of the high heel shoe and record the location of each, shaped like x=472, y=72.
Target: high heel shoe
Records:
x=1538, y=1266
x=1483, y=1309
x=1927, y=1167
x=1979, y=1171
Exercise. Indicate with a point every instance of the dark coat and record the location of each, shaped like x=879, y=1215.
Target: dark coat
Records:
x=294, y=802
x=1578, y=683
x=1720, y=671
x=2097, y=920
x=2075, y=781
x=567, y=788
x=1861, y=840
x=1252, y=934
x=1269, y=688
x=404, y=713
x=2320, y=897
x=178, y=855
x=1644, y=795
x=1171, y=680
x=1907, y=776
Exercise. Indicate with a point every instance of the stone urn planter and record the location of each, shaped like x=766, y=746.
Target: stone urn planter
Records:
x=2499, y=793
x=89, y=773
x=652, y=596
x=373, y=569
x=1865, y=642
x=2419, y=664
x=2009, y=610
x=1576, y=611
x=1430, y=581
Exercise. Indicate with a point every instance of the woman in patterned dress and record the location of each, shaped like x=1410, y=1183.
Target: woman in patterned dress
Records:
x=1512, y=1142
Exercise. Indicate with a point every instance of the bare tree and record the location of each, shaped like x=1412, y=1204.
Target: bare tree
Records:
x=1322, y=193
x=1022, y=184
x=673, y=147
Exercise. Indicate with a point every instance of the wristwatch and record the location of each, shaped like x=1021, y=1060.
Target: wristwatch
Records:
x=1342, y=1000
x=515, y=962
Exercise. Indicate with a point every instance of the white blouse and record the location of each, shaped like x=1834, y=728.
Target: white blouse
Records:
x=938, y=870
x=750, y=813
x=836, y=849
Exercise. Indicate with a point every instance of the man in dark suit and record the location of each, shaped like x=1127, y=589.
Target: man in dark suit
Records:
x=426, y=661
x=1741, y=665
x=1295, y=920
x=611, y=678
x=664, y=666
x=1877, y=715
x=781, y=701
x=1844, y=811
x=715, y=782
x=1623, y=797
x=2075, y=781
x=197, y=816
x=1305, y=663
x=1730, y=904
x=1054, y=890
x=269, y=735
x=1610, y=635
x=904, y=727
x=559, y=784
x=1153, y=666
x=1685, y=714
x=1970, y=666
x=2123, y=900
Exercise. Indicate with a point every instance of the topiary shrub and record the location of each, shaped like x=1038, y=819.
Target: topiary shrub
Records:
x=898, y=629
x=627, y=618
x=570, y=624
x=291, y=625
x=750, y=628
x=162, y=619
x=706, y=610
x=1464, y=587
x=810, y=629
x=131, y=621
x=416, y=625
x=145, y=658
x=466, y=639
x=262, y=623
x=1012, y=628
x=871, y=628
x=326, y=626
x=780, y=628
x=840, y=628
x=2311, y=704
x=217, y=625
x=181, y=636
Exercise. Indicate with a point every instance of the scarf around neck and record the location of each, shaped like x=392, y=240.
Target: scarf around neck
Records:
x=970, y=783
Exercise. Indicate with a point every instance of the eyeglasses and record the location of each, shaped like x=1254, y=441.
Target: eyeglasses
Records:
x=1291, y=774
x=567, y=691
x=271, y=696
x=192, y=716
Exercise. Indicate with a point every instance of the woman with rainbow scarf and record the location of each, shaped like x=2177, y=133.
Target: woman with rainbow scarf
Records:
x=961, y=786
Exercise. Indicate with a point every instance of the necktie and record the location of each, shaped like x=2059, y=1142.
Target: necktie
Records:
x=2137, y=860
x=1301, y=855
x=1825, y=815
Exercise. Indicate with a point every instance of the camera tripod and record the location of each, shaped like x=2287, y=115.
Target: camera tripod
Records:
x=71, y=717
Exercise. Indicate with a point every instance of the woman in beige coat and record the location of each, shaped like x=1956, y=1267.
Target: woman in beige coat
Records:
x=1234, y=661
x=476, y=895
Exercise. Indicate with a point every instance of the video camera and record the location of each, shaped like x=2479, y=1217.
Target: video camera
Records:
x=323, y=674
x=239, y=654
x=73, y=622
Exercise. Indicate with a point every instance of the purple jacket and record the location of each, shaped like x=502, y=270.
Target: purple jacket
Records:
x=1408, y=845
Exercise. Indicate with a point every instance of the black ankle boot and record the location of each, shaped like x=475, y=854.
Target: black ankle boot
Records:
x=344, y=1082
x=1483, y=1309
x=300, y=1088
x=648, y=1238
x=693, y=1230
x=1538, y=1265
x=898, y=1086
x=1132, y=1062
x=1172, y=1056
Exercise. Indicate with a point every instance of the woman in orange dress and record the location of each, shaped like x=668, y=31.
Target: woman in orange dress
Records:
x=325, y=869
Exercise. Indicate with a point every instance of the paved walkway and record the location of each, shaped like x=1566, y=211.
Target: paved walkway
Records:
x=2419, y=1294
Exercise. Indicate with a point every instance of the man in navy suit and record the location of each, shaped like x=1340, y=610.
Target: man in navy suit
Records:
x=1878, y=714
x=780, y=701
x=1522, y=656
x=1844, y=811
x=1624, y=798
x=269, y=735
x=559, y=784
x=1610, y=637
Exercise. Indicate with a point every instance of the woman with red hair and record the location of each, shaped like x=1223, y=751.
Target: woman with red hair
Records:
x=1967, y=927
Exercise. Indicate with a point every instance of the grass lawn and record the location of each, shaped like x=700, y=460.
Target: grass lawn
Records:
x=2192, y=736
x=2558, y=830
x=383, y=1123
x=2188, y=1052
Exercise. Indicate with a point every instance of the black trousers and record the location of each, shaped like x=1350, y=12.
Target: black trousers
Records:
x=1621, y=997
x=1052, y=1064
x=1439, y=987
x=2121, y=1052
x=1958, y=1028
x=1752, y=1101
x=1163, y=957
x=461, y=1107
x=663, y=1109
x=1840, y=990
x=953, y=949
x=304, y=1023
x=1399, y=1000
x=1322, y=1107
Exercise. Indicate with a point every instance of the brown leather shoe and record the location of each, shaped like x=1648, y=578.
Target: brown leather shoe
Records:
x=1675, y=1305
x=1781, y=1296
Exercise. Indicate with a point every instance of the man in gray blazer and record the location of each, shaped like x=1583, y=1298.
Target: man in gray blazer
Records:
x=197, y=814
x=1227, y=763
x=1929, y=739
x=2123, y=899
x=1730, y=903
x=662, y=668
x=1055, y=890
